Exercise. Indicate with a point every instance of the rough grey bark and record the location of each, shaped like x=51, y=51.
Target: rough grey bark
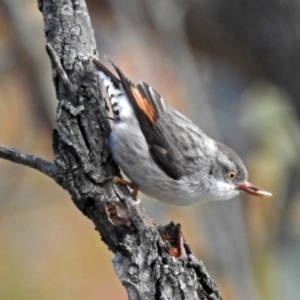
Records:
x=152, y=261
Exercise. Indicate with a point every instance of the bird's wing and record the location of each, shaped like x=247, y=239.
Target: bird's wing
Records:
x=148, y=106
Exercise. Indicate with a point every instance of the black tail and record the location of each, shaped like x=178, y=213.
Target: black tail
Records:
x=99, y=66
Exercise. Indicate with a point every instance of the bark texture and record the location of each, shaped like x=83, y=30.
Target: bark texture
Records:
x=152, y=261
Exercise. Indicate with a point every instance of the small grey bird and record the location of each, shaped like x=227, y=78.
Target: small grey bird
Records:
x=164, y=153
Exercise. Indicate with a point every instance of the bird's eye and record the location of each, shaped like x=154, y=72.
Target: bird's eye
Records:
x=231, y=175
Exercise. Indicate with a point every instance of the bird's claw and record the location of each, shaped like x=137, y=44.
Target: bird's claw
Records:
x=132, y=185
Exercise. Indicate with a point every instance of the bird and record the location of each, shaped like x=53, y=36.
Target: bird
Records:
x=163, y=153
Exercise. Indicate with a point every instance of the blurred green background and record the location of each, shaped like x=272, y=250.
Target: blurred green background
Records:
x=233, y=66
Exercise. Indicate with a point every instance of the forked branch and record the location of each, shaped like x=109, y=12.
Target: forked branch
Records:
x=152, y=261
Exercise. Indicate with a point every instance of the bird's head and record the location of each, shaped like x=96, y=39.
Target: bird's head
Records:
x=228, y=175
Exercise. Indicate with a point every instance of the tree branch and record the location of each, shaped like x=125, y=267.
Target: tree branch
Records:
x=28, y=160
x=152, y=261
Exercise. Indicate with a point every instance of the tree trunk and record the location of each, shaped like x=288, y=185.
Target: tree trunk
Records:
x=152, y=261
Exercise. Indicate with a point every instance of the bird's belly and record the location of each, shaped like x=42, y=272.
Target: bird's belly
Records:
x=130, y=151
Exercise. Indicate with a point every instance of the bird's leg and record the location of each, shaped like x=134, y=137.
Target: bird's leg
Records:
x=132, y=185
x=110, y=118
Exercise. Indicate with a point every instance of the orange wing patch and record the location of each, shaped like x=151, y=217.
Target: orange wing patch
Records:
x=144, y=104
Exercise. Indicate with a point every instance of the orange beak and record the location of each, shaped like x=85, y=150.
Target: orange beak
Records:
x=252, y=189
